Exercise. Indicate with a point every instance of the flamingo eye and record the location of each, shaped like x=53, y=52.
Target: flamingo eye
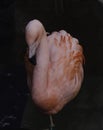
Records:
x=33, y=60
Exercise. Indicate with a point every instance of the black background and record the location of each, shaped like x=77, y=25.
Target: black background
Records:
x=81, y=18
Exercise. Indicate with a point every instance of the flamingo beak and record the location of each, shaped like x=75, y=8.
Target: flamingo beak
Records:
x=33, y=59
x=32, y=54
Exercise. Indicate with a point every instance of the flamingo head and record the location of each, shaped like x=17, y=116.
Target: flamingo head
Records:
x=34, y=32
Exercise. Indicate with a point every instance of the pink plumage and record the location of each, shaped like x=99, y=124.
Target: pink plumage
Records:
x=58, y=74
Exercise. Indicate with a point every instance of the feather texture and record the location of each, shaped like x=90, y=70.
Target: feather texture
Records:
x=58, y=74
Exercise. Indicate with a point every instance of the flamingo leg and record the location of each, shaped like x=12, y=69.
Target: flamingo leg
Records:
x=51, y=123
x=51, y=127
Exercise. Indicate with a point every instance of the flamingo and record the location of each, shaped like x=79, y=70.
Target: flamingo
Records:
x=56, y=77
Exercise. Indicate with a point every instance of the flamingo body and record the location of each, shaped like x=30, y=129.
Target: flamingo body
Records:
x=58, y=74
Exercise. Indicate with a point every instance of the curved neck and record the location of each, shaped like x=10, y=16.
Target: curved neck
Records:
x=42, y=53
x=40, y=73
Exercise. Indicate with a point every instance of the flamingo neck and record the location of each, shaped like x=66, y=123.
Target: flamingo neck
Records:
x=40, y=73
x=42, y=54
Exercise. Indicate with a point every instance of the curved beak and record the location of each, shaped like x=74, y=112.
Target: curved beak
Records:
x=33, y=60
x=32, y=54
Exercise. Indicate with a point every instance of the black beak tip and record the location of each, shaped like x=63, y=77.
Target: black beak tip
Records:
x=33, y=60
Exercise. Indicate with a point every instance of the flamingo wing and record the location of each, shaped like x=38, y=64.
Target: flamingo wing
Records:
x=59, y=80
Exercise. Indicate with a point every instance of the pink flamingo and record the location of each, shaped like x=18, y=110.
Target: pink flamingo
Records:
x=58, y=74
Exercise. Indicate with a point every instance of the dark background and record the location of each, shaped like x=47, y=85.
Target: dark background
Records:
x=81, y=18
